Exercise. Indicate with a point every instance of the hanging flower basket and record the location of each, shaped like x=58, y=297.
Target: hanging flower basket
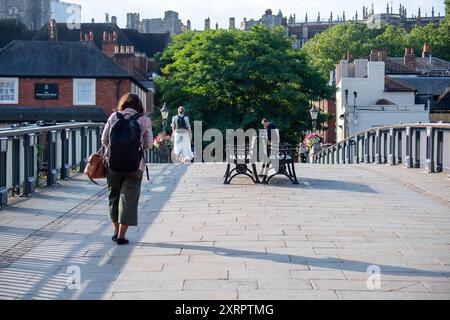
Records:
x=163, y=142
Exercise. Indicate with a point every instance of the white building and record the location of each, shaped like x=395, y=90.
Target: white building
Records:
x=367, y=98
x=64, y=12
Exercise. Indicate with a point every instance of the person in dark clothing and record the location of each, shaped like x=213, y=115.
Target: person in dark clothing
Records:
x=273, y=138
x=270, y=128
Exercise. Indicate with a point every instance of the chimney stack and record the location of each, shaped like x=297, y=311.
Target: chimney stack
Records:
x=426, y=52
x=114, y=20
x=53, y=31
x=109, y=43
x=410, y=58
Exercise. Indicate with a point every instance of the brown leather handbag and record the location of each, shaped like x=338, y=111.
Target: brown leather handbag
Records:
x=96, y=166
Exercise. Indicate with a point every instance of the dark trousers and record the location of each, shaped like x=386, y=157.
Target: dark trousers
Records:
x=125, y=190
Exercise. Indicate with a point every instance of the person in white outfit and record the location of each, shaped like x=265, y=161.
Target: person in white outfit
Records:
x=182, y=135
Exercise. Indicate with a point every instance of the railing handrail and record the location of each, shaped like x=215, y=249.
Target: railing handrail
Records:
x=415, y=145
x=394, y=126
x=13, y=132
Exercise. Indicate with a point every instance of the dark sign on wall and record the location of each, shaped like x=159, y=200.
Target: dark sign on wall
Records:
x=46, y=91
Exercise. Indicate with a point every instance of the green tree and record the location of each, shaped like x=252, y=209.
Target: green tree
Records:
x=393, y=39
x=447, y=9
x=437, y=36
x=327, y=48
x=233, y=79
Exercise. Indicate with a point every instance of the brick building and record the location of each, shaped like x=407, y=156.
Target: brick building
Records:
x=54, y=77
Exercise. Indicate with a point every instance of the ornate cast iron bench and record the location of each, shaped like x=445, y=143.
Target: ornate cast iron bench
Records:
x=243, y=159
x=282, y=159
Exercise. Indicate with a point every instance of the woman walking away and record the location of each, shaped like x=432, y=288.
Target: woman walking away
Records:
x=127, y=135
x=182, y=137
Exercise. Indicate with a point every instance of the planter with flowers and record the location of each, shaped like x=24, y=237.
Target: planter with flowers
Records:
x=312, y=143
x=163, y=142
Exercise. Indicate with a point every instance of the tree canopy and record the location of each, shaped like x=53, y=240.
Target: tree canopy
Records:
x=233, y=79
x=326, y=49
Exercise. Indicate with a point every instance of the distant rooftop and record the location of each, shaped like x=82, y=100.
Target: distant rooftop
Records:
x=57, y=59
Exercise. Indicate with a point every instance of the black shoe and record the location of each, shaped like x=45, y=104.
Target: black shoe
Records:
x=114, y=237
x=122, y=241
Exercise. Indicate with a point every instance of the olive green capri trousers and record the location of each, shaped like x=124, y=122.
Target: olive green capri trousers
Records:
x=125, y=190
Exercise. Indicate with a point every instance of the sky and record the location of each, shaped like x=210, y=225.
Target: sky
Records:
x=221, y=10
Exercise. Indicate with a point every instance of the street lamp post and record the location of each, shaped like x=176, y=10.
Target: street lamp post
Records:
x=164, y=116
x=314, y=114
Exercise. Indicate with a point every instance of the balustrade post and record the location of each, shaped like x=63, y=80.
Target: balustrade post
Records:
x=338, y=146
x=439, y=136
x=3, y=172
x=356, y=150
x=73, y=141
x=366, y=148
x=378, y=147
x=29, y=182
x=99, y=132
x=399, y=159
x=83, y=161
x=65, y=168
x=392, y=132
x=332, y=155
x=384, y=151
x=417, y=148
x=429, y=161
x=408, y=156
x=344, y=152
x=51, y=159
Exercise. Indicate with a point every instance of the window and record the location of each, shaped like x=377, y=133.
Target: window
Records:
x=84, y=92
x=9, y=90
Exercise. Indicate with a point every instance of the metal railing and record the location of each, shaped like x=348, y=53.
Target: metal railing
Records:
x=33, y=156
x=155, y=155
x=413, y=145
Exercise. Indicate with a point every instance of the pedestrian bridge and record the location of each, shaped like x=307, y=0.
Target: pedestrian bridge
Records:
x=201, y=239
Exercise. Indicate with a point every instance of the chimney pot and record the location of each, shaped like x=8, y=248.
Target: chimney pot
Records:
x=426, y=52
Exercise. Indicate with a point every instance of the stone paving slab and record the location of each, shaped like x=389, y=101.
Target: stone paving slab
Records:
x=200, y=239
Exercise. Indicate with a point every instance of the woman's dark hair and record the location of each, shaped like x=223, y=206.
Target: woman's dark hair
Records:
x=130, y=100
